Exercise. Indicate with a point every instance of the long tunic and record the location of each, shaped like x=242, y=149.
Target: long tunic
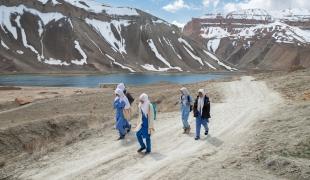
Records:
x=119, y=106
x=150, y=119
x=144, y=130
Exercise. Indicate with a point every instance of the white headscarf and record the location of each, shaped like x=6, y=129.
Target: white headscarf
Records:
x=184, y=91
x=201, y=101
x=146, y=103
x=184, y=97
x=119, y=92
x=121, y=86
x=122, y=97
x=201, y=91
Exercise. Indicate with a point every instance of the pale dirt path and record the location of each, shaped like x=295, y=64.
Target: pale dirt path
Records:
x=105, y=158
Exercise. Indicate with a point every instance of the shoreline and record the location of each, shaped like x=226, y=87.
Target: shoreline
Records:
x=77, y=73
x=103, y=74
x=221, y=79
x=94, y=79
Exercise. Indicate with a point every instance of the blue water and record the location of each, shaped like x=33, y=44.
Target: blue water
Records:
x=95, y=80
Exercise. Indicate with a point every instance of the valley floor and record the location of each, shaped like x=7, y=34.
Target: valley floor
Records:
x=260, y=129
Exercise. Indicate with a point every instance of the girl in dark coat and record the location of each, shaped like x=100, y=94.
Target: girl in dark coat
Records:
x=201, y=112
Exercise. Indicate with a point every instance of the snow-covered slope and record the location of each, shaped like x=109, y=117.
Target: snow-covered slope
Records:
x=84, y=35
x=250, y=14
x=96, y=7
x=253, y=38
x=280, y=33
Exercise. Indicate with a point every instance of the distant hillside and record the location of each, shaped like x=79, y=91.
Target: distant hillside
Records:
x=255, y=39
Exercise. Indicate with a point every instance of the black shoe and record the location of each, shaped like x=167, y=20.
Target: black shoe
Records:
x=147, y=152
x=140, y=150
x=129, y=129
x=207, y=132
x=197, y=138
x=121, y=137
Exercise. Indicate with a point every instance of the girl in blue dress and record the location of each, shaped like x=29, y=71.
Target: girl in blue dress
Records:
x=186, y=102
x=122, y=124
x=145, y=126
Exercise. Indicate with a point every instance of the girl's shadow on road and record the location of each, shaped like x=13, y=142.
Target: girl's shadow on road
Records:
x=214, y=141
x=129, y=140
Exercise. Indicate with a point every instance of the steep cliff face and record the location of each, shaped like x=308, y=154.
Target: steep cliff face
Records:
x=83, y=35
x=255, y=39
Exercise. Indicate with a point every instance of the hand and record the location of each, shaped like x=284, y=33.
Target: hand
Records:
x=151, y=131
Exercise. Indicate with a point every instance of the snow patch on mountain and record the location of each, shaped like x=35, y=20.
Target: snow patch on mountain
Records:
x=43, y=1
x=213, y=44
x=6, y=12
x=41, y=28
x=150, y=67
x=159, y=56
x=181, y=40
x=168, y=42
x=20, y=52
x=70, y=22
x=250, y=14
x=24, y=38
x=4, y=45
x=121, y=11
x=96, y=7
x=193, y=56
x=160, y=41
x=45, y=19
x=84, y=59
x=219, y=62
x=189, y=50
x=281, y=33
x=5, y=20
x=119, y=64
x=55, y=62
x=58, y=62
x=94, y=43
x=213, y=32
x=104, y=29
x=208, y=64
x=54, y=2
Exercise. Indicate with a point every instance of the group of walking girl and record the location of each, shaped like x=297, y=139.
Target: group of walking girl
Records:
x=145, y=125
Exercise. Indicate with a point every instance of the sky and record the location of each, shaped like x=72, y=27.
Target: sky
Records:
x=179, y=12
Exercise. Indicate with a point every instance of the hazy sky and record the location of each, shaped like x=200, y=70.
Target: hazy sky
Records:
x=181, y=11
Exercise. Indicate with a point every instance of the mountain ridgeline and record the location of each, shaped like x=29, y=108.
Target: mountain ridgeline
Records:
x=60, y=36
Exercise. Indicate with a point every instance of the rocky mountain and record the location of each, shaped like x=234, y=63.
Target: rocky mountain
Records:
x=255, y=38
x=85, y=36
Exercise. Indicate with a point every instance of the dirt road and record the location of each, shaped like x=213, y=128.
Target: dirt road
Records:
x=174, y=155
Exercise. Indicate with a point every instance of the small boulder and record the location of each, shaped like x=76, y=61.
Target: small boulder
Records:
x=78, y=91
x=22, y=101
x=2, y=164
x=306, y=96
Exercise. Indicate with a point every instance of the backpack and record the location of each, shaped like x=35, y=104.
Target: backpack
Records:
x=190, y=106
x=154, y=109
x=130, y=98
